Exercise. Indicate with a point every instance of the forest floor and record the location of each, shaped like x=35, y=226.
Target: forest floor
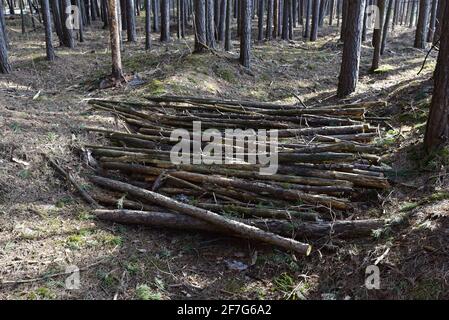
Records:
x=44, y=226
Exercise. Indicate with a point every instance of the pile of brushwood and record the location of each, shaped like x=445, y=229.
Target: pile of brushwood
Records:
x=326, y=158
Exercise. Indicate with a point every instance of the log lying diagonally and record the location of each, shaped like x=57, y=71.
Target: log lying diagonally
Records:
x=325, y=156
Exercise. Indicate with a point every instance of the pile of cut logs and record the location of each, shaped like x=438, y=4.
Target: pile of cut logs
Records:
x=326, y=156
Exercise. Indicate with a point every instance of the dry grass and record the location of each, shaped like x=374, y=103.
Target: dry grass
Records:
x=44, y=227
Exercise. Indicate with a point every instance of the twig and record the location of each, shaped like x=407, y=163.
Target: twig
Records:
x=69, y=178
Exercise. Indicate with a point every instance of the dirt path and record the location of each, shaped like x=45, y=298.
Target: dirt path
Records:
x=44, y=227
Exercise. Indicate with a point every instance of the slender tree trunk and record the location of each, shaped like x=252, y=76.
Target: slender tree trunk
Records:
x=433, y=19
x=344, y=13
x=437, y=131
x=439, y=22
x=222, y=22
x=285, y=14
x=147, y=24
x=245, y=38
x=260, y=19
x=386, y=25
x=377, y=36
x=228, y=25
x=414, y=8
x=48, y=34
x=56, y=20
x=331, y=12
x=165, y=20
x=114, y=31
x=131, y=21
x=67, y=29
x=276, y=18
x=423, y=22
x=315, y=18
x=210, y=24
x=200, y=25
x=349, y=72
x=307, y=23
x=269, y=31
x=5, y=67
x=3, y=23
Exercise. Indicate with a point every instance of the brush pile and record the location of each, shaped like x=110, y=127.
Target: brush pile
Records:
x=325, y=158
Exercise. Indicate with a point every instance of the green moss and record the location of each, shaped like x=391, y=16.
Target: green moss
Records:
x=42, y=293
x=225, y=74
x=144, y=292
x=384, y=69
x=156, y=88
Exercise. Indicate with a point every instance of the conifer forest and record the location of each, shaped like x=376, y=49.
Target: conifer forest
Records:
x=224, y=150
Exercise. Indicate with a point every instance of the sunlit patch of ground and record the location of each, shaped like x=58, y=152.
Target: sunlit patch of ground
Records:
x=44, y=227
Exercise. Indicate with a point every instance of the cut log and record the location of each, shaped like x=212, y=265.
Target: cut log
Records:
x=299, y=230
x=235, y=227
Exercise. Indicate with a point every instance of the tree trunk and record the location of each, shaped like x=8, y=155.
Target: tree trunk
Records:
x=222, y=22
x=228, y=26
x=269, y=31
x=48, y=34
x=56, y=19
x=439, y=22
x=423, y=21
x=200, y=25
x=68, y=40
x=433, y=19
x=386, y=25
x=260, y=19
x=307, y=23
x=437, y=131
x=117, y=72
x=131, y=21
x=315, y=20
x=5, y=67
x=147, y=24
x=245, y=38
x=165, y=20
x=210, y=24
x=377, y=36
x=349, y=73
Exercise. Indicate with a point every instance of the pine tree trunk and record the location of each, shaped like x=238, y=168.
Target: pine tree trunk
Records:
x=210, y=24
x=377, y=36
x=5, y=67
x=315, y=20
x=260, y=19
x=437, y=131
x=222, y=22
x=3, y=23
x=386, y=25
x=147, y=24
x=423, y=21
x=131, y=21
x=269, y=31
x=48, y=34
x=433, y=19
x=439, y=22
x=114, y=31
x=349, y=72
x=200, y=25
x=307, y=23
x=245, y=38
x=68, y=40
x=285, y=14
x=165, y=20
x=228, y=25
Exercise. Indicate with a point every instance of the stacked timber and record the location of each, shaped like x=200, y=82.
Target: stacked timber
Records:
x=324, y=156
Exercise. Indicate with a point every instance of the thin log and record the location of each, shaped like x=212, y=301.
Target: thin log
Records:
x=236, y=227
